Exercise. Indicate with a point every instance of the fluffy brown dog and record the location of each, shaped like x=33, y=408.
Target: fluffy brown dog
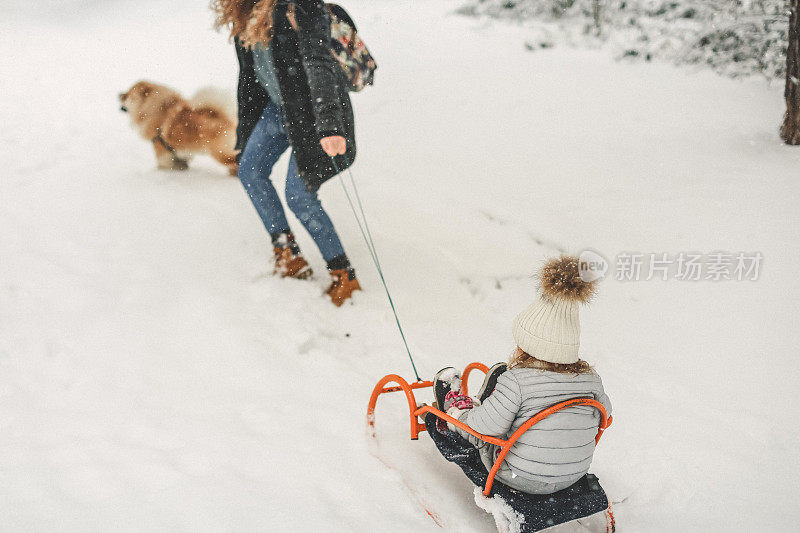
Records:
x=179, y=128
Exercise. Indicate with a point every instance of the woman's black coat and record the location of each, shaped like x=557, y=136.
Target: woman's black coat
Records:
x=315, y=100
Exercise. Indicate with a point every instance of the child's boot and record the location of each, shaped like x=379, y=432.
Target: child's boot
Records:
x=443, y=382
x=490, y=381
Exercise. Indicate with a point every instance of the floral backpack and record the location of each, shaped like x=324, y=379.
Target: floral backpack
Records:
x=350, y=51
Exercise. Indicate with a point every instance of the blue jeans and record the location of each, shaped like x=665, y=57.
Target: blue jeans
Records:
x=264, y=147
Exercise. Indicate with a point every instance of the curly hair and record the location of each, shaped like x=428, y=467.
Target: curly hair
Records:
x=250, y=21
x=520, y=359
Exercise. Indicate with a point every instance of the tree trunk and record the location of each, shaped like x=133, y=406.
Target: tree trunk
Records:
x=596, y=12
x=790, y=130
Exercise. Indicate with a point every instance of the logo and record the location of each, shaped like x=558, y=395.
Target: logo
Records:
x=591, y=266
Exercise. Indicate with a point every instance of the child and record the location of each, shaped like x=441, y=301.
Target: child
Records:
x=544, y=370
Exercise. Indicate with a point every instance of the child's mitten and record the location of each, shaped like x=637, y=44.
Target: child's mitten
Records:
x=454, y=403
x=457, y=400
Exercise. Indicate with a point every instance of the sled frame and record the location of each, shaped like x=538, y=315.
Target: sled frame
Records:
x=418, y=411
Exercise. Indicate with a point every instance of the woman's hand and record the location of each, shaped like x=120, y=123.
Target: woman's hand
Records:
x=334, y=145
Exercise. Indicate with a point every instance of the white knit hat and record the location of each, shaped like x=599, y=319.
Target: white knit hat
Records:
x=549, y=329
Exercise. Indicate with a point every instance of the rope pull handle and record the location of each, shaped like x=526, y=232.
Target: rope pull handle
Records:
x=363, y=226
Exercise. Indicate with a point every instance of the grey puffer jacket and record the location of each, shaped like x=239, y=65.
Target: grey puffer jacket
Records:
x=555, y=452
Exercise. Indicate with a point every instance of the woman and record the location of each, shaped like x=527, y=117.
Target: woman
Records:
x=291, y=96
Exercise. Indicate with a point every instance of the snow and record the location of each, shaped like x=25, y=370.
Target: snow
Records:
x=156, y=377
x=506, y=518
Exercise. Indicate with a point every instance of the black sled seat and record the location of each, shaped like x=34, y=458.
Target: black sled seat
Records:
x=584, y=498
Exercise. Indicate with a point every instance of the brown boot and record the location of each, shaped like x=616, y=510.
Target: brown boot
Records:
x=291, y=265
x=342, y=287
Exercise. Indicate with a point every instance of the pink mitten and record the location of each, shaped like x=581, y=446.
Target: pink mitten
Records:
x=457, y=400
x=453, y=399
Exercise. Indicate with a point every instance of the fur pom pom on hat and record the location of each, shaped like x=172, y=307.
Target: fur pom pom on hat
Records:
x=561, y=280
x=549, y=329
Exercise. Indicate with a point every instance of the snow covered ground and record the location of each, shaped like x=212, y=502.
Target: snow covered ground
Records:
x=155, y=377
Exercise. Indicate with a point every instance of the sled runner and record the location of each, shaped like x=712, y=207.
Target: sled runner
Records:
x=583, y=504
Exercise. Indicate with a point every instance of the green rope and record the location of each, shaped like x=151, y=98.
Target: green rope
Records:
x=367, y=235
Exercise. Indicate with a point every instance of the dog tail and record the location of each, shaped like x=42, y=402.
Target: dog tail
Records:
x=217, y=98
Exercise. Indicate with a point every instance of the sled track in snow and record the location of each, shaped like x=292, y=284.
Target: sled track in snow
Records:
x=415, y=493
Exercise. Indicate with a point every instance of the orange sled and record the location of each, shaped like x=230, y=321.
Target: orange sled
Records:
x=584, y=504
